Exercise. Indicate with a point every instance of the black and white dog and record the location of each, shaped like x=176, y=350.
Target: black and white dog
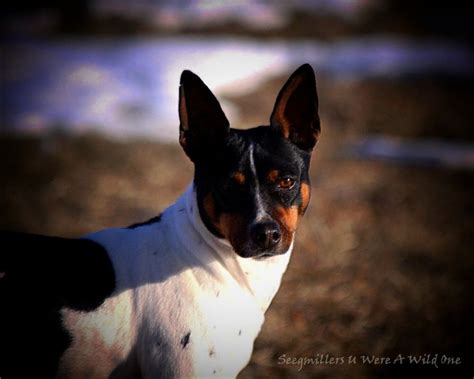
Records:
x=184, y=294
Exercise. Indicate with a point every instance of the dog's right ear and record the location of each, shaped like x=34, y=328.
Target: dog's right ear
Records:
x=203, y=124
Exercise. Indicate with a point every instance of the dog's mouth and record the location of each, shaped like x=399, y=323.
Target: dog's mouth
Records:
x=251, y=251
x=265, y=256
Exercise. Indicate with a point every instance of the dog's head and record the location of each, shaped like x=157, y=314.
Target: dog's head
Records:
x=252, y=185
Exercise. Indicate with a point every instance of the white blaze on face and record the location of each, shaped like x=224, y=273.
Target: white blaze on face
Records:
x=261, y=213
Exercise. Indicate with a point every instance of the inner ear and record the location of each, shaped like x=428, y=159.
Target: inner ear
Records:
x=295, y=114
x=203, y=124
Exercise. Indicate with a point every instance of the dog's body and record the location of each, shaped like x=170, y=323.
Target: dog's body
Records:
x=183, y=295
x=189, y=307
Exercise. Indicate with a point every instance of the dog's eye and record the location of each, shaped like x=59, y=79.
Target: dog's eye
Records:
x=286, y=183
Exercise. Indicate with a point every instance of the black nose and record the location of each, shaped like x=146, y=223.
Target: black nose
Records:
x=265, y=234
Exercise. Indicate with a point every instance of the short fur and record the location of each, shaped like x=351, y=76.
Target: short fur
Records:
x=184, y=294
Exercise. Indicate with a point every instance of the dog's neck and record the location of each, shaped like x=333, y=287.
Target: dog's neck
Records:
x=261, y=277
x=197, y=238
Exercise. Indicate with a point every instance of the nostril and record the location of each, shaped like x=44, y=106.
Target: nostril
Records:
x=276, y=236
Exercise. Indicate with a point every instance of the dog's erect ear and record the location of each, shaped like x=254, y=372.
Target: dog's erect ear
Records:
x=203, y=124
x=295, y=113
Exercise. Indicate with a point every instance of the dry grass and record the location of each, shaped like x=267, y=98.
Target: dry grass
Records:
x=383, y=259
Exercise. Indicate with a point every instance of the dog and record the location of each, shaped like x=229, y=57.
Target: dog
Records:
x=183, y=294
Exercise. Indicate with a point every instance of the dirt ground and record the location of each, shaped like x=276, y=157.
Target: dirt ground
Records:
x=383, y=261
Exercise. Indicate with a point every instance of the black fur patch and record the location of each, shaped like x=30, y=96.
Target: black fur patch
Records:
x=270, y=152
x=42, y=275
x=152, y=220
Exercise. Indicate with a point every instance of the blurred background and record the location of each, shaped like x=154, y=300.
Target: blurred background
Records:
x=383, y=261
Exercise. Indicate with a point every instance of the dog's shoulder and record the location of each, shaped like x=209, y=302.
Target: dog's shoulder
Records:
x=142, y=253
x=134, y=241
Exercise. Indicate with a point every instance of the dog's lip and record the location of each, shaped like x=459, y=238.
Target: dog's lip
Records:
x=265, y=255
x=257, y=255
x=255, y=252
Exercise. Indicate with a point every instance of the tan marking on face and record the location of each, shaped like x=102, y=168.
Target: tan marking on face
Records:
x=210, y=208
x=273, y=175
x=288, y=218
x=305, y=192
x=232, y=227
x=239, y=177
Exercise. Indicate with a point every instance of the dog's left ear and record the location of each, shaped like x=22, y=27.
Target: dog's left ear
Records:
x=295, y=113
x=203, y=124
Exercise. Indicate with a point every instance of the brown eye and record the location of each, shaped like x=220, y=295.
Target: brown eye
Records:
x=286, y=183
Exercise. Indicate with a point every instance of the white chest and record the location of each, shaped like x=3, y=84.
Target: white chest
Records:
x=185, y=305
x=209, y=332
